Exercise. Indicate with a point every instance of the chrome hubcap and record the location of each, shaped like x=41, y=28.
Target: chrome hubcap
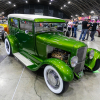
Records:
x=53, y=79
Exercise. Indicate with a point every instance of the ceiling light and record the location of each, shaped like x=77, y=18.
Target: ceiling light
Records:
x=76, y=15
x=82, y=13
x=64, y=5
x=3, y=12
x=71, y=16
x=61, y=8
x=51, y=0
x=92, y=12
x=38, y=0
x=69, y=2
x=14, y=5
x=26, y=1
x=9, y=2
x=50, y=3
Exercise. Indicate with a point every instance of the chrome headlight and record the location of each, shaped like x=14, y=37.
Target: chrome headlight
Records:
x=74, y=61
x=91, y=55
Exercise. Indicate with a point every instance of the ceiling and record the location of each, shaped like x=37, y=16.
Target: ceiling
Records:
x=75, y=7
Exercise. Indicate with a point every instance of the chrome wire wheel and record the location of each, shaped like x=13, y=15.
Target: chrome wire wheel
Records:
x=53, y=80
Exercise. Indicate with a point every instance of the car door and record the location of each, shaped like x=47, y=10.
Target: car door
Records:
x=26, y=36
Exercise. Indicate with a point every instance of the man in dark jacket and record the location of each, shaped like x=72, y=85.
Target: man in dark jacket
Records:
x=93, y=31
x=88, y=29
x=84, y=29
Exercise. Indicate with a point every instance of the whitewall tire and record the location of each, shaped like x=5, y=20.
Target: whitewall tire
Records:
x=8, y=47
x=53, y=80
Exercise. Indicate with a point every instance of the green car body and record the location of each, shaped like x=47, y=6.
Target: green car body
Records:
x=35, y=45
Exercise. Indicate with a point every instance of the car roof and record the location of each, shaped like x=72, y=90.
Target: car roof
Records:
x=36, y=18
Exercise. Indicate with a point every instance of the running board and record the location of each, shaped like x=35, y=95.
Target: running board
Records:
x=23, y=59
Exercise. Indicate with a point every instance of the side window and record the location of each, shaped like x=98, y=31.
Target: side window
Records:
x=38, y=27
x=14, y=22
x=26, y=25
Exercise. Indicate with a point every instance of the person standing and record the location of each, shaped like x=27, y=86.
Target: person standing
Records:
x=75, y=23
x=93, y=31
x=69, y=25
x=88, y=28
x=84, y=29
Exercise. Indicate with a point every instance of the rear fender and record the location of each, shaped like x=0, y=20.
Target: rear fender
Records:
x=63, y=69
x=13, y=42
x=91, y=62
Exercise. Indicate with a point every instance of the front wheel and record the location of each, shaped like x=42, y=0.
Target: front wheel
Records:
x=54, y=81
x=8, y=47
x=97, y=65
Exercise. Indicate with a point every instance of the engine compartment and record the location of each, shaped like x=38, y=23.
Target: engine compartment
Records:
x=58, y=53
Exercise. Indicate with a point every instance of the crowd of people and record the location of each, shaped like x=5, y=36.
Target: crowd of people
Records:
x=87, y=28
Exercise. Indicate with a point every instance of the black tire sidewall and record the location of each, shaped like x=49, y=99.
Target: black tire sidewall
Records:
x=3, y=36
x=97, y=65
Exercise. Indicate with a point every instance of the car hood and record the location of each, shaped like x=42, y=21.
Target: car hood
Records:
x=59, y=41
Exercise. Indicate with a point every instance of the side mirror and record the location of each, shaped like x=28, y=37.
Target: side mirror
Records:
x=26, y=31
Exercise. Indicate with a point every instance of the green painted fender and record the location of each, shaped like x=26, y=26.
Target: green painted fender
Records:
x=63, y=69
x=13, y=42
x=91, y=62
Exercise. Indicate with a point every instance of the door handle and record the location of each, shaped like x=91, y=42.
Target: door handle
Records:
x=17, y=32
x=26, y=31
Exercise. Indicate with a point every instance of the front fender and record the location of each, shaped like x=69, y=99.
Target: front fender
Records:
x=91, y=62
x=13, y=42
x=63, y=69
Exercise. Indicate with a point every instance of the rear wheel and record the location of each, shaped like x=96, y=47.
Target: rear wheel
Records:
x=54, y=81
x=8, y=47
x=3, y=37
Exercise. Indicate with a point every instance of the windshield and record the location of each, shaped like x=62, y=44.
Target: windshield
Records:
x=46, y=27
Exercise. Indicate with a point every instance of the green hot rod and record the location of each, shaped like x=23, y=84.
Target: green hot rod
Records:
x=37, y=41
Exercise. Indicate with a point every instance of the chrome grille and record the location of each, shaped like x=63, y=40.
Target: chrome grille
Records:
x=81, y=54
x=79, y=67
